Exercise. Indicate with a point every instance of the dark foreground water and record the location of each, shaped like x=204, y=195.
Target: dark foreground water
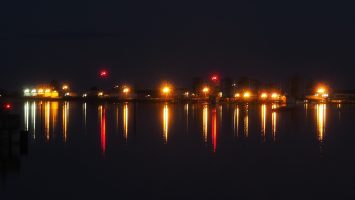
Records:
x=176, y=151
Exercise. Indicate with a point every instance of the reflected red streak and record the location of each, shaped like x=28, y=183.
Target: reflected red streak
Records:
x=103, y=130
x=214, y=129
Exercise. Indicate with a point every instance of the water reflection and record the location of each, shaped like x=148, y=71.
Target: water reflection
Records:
x=125, y=121
x=205, y=122
x=46, y=117
x=165, y=123
x=214, y=129
x=186, y=108
x=236, y=120
x=263, y=121
x=47, y=112
x=102, y=117
x=274, y=122
x=246, y=121
x=321, y=114
x=26, y=115
x=54, y=118
x=65, y=120
x=33, y=119
x=84, y=114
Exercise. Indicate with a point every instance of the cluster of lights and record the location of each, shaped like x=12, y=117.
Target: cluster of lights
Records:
x=40, y=92
x=263, y=96
x=322, y=92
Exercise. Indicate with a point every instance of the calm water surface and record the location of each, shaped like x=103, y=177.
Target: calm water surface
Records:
x=182, y=151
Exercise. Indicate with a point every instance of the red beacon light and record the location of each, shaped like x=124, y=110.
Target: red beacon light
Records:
x=8, y=106
x=103, y=73
x=214, y=78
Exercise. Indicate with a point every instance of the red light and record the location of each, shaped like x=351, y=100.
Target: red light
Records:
x=103, y=73
x=8, y=106
x=214, y=78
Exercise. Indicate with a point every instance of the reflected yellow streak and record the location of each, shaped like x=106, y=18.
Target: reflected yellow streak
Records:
x=274, y=122
x=165, y=123
x=205, y=122
x=321, y=110
x=26, y=115
x=236, y=120
x=246, y=121
x=220, y=114
x=263, y=120
x=125, y=120
x=33, y=120
x=186, y=108
x=54, y=112
x=47, y=112
x=65, y=120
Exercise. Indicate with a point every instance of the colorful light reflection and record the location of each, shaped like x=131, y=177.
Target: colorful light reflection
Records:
x=102, y=116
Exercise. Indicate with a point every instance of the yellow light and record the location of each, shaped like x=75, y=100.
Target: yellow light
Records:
x=166, y=90
x=126, y=90
x=237, y=95
x=40, y=91
x=54, y=94
x=205, y=90
x=274, y=95
x=100, y=94
x=186, y=94
x=263, y=95
x=47, y=91
x=321, y=90
x=65, y=87
x=246, y=94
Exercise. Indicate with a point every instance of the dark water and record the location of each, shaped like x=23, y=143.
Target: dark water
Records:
x=176, y=151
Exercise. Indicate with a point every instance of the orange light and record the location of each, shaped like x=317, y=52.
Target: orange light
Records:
x=205, y=90
x=65, y=87
x=246, y=94
x=214, y=129
x=274, y=95
x=237, y=95
x=321, y=90
x=166, y=90
x=263, y=95
x=126, y=90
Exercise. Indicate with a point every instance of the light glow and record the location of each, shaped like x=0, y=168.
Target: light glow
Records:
x=246, y=95
x=263, y=95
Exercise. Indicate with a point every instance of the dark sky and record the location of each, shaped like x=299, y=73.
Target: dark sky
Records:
x=145, y=42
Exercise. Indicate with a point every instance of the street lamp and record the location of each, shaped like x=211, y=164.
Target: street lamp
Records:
x=205, y=90
x=126, y=90
x=166, y=90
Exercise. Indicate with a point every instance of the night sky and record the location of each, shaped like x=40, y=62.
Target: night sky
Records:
x=145, y=42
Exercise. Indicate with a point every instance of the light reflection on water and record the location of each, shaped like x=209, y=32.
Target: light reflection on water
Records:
x=144, y=147
x=166, y=123
x=48, y=112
